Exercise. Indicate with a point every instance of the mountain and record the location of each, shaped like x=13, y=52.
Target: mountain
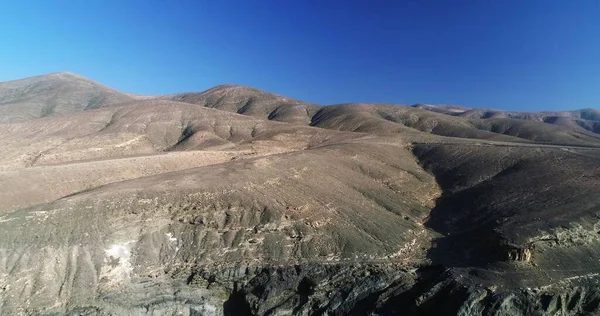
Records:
x=384, y=118
x=235, y=201
x=587, y=119
x=249, y=101
x=53, y=94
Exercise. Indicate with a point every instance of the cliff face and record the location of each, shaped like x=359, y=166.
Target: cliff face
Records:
x=156, y=207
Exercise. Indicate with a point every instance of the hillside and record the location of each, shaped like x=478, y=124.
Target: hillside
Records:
x=51, y=95
x=584, y=119
x=252, y=102
x=382, y=118
x=235, y=201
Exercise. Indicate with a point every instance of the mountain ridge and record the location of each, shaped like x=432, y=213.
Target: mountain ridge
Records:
x=182, y=95
x=572, y=127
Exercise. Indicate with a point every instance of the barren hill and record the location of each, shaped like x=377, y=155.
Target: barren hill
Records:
x=383, y=118
x=252, y=102
x=239, y=202
x=53, y=94
x=588, y=119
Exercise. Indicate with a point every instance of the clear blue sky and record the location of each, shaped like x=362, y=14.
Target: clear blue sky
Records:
x=520, y=55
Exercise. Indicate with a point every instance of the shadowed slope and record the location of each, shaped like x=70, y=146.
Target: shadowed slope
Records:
x=540, y=206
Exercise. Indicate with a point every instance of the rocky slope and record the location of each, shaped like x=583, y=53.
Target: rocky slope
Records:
x=162, y=207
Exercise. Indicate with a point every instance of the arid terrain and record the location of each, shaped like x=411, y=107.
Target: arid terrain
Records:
x=235, y=201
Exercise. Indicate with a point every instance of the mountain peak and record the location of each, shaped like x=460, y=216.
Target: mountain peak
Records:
x=66, y=75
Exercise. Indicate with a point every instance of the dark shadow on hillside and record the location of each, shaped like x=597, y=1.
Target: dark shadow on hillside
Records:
x=445, y=297
x=465, y=242
x=236, y=305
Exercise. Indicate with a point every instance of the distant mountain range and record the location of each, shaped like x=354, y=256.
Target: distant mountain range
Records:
x=60, y=93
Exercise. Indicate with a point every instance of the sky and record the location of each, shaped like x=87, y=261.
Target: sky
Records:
x=525, y=55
